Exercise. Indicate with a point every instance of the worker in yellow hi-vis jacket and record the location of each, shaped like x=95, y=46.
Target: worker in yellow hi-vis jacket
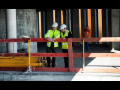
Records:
x=51, y=35
x=64, y=35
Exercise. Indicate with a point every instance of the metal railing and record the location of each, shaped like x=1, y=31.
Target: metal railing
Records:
x=70, y=54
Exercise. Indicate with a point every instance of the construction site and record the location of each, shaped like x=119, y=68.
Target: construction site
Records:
x=23, y=54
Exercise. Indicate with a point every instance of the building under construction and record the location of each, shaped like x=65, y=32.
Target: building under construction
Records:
x=35, y=23
x=28, y=26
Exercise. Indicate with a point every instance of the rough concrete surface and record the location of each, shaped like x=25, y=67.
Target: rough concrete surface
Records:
x=58, y=76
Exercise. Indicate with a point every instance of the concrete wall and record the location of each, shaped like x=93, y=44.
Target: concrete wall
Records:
x=3, y=48
x=75, y=25
x=115, y=27
x=49, y=19
x=104, y=31
x=26, y=25
x=58, y=76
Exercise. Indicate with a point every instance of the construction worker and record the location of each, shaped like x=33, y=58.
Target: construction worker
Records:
x=86, y=34
x=64, y=35
x=51, y=35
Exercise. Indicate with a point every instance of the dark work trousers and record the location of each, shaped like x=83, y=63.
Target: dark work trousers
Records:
x=49, y=50
x=65, y=58
x=87, y=46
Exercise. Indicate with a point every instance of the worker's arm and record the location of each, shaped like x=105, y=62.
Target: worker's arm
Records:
x=69, y=35
x=83, y=34
x=46, y=35
x=89, y=30
x=58, y=34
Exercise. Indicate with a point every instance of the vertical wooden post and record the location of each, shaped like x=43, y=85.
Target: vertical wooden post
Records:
x=29, y=51
x=40, y=31
x=79, y=22
x=83, y=58
x=100, y=23
x=70, y=55
x=61, y=16
x=53, y=16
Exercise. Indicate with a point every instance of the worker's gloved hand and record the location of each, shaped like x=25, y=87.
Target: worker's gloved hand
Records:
x=63, y=38
x=54, y=39
x=47, y=38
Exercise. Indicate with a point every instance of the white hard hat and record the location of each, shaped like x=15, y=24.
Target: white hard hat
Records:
x=62, y=26
x=55, y=24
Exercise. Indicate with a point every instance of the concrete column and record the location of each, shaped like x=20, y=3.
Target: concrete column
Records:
x=70, y=20
x=75, y=25
x=96, y=24
x=27, y=26
x=115, y=27
x=37, y=21
x=93, y=24
x=49, y=18
x=109, y=26
x=3, y=31
x=43, y=23
x=67, y=18
x=107, y=32
x=11, y=29
x=85, y=17
x=82, y=21
x=104, y=30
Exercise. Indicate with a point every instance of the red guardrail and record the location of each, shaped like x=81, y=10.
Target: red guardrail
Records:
x=70, y=53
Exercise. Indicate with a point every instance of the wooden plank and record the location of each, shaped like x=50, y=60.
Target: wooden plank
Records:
x=14, y=40
x=97, y=54
x=18, y=65
x=76, y=39
x=100, y=24
x=49, y=54
x=44, y=40
x=19, y=58
x=13, y=68
x=70, y=55
x=102, y=54
x=49, y=69
x=13, y=54
x=101, y=70
x=35, y=55
x=16, y=61
x=77, y=70
x=77, y=55
x=103, y=39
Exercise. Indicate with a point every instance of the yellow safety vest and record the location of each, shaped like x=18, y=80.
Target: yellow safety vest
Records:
x=50, y=35
x=65, y=44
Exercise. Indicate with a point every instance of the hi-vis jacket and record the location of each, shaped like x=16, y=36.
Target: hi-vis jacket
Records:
x=86, y=34
x=50, y=34
x=66, y=34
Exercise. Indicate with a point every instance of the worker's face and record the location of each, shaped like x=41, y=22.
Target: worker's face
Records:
x=54, y=28
x=63, y=30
